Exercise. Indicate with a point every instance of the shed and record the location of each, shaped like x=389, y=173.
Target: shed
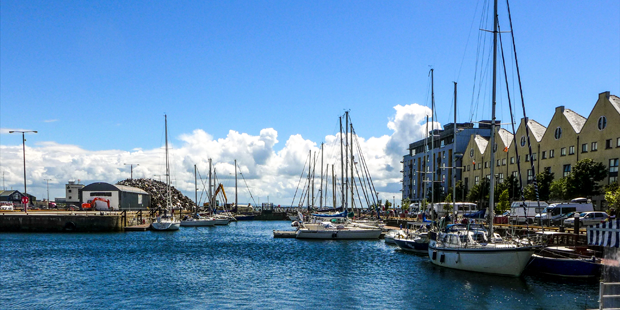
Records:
x=121, y=197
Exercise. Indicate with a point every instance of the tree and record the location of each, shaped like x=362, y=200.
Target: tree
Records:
x=557, y=189
x=406, y=203
x=480, y=193
x=439, y=193
x=583, y=180
x=612, y=196
x=448, y=198
x=504, y=202
x=461, y=191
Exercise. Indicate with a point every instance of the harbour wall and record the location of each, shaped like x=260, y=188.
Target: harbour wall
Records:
x=61, y=223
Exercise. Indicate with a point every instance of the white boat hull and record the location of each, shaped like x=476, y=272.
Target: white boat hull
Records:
x=338, y=234
x=508, y=261
x=161, y=226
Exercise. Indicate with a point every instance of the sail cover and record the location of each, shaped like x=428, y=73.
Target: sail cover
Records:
x=341, y=214
x=605, y=234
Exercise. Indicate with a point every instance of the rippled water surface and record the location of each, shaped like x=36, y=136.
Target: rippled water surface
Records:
x=243, y=266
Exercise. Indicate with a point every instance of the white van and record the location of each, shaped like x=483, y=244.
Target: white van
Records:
x=522, y=212
x=555, y=213
x=459, y=208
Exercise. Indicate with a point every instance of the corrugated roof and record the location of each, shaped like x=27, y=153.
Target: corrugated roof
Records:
x=537, y=129
x=481, y=142
x=576, y=121
x=615, y=101
x=130, y=189
x=506, y=136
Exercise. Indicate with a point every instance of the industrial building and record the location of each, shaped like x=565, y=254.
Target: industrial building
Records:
x=120, y=197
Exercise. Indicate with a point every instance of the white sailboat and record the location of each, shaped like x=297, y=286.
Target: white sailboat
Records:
x=337, y=226
x=460, y=247
x=166, y=222
x=196, y=220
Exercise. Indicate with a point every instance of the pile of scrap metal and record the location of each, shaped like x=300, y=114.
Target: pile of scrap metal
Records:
x=158, y=192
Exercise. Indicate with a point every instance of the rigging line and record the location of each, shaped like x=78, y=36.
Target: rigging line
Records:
x=203, y=185
x=246, y=185
x=299, y=182
x=373, y=191
x=362, y=180
x=467, y=43
x=522, y=102
x=363, y=186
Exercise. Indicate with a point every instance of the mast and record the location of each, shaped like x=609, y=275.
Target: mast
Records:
x=309, y=172
x=196, y=188
x=236, y=205
x=312, y=178
x=352, y=164
x=346, y=154
x=321, y=187
x=454, y=155
x=433, y=138
x=341, y=165
x=167, y=165
x=334, y=185
x=492, y=179
x=210, y=192
x=425, y=180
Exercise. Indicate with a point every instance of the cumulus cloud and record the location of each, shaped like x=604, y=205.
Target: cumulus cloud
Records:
x=266, y=172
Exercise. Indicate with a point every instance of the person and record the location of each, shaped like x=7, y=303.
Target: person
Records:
x=448, y=219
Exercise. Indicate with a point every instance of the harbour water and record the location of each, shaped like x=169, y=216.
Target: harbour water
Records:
x=243, y=266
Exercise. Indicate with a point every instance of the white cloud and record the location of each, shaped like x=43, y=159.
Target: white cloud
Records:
x=267, y=172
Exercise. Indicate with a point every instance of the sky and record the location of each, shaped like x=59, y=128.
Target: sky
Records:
x=263, y=82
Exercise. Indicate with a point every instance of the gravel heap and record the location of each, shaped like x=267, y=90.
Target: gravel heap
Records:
x=157, y=190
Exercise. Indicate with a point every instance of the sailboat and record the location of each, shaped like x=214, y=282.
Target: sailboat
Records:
x=166, y=222
x=474, y=249
x=196, y=220
x=338, y=226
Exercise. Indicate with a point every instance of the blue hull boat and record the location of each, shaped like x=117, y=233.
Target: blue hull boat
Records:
x=417, y=245
x=565, y=267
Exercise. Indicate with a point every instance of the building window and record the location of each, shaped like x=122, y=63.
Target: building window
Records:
x=551, y=153
x=544, y=155
x=558, y=133
x=571, y=150
x=512, y=160
x=486, y=164
x=618, y=143
x=608, y=144
x=474, y=166
x=594, y=146
x=488, y=177
x=500, y=177
x=563, y=151
x=548, y=169
x=479, y=165
x=477, y=180
x=613, y=165
x=499, y=162
x=530, y=175
x=533, y=156
x=468, y=167
x=471, y=153
x=602, y=123
x=503, y=161
x=515, y=174
x=70, y=197
x=522, y=140
x=566, y=170
x=584, y=148
x=69, y=191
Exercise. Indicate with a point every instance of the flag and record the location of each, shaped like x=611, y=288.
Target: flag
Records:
x=506, y=150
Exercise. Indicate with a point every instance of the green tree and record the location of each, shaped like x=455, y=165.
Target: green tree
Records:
x=612, y=196
x=480, y=193
x=440, y=195
x=461, y=191
x=448, y=198
x=557, y=190
x=503, y=202
x=406, y=203
x=583, y=180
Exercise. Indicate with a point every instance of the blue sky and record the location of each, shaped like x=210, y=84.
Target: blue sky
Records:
x=99, y=75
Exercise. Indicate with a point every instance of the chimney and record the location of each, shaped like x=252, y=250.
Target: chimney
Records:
x=559, y=109
x=605, y=93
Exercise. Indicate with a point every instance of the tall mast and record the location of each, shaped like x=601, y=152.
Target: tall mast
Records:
x=341, y=165
x=346, y=165
x=196, y=189
x=492, y=179
x=312, y=178
x=454, y=155
x=352, y=164
x=236, y=205
x=210, y=189
x=167, y=166
x=334, y=185
x=433, y=136
x=321, y=187
x=425, y=180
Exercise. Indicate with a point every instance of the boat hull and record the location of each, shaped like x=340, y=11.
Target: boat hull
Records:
x=244, y=217
x=412, y=246
x=165, y=226
x=564, y=267
x=341, y=234
x=500, y=261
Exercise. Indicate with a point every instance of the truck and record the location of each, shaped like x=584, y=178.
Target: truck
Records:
x=91, y=205
x=522, y=212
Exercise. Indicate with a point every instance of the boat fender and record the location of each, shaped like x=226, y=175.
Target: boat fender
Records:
x=69, y=226
x=442, y=258
x=334, y=235
x=458, y=257
x=434, y=255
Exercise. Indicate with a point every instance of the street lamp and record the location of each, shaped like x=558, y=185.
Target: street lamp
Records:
x=131, y=168
x=47, y=181
x=23, y=132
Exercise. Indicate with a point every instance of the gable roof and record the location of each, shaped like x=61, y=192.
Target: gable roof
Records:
x=615, y=101
x=481, y=143
x=574, y=119
x=539, y=130
x=506, y=136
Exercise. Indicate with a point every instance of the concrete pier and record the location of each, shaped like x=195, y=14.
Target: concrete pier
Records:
x=62, y=222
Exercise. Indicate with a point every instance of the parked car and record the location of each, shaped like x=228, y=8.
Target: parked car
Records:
x=587, y=218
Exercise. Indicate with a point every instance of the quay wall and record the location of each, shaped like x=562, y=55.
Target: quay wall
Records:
x=60, y=223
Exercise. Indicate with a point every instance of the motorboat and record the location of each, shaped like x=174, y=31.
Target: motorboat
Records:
x=197, y=221
x=165, y=223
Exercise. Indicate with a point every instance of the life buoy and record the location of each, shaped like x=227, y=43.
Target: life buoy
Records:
x=69, y=226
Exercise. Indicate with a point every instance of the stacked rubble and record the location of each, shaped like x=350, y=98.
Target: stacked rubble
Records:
x=157, y=190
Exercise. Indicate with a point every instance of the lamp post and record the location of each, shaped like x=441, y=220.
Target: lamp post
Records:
x=131, y=168
x=23, y=132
